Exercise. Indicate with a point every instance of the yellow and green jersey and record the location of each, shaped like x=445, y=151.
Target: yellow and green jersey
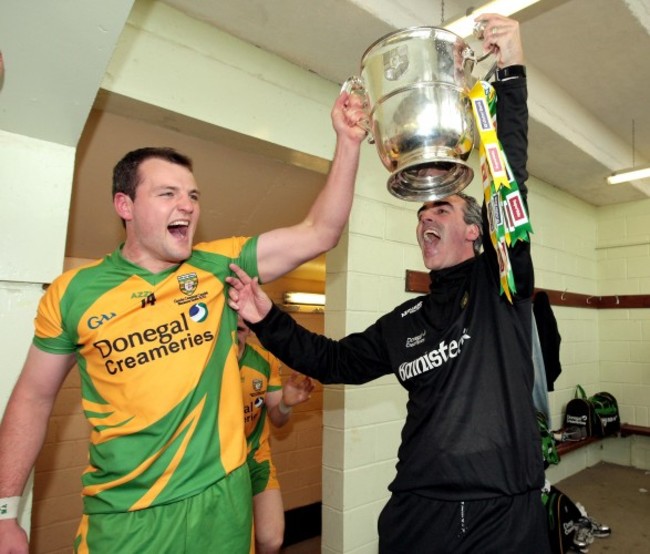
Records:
x=157, y=355
x=260, y=373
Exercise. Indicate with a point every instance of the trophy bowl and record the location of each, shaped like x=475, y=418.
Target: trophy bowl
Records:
x=416, y=83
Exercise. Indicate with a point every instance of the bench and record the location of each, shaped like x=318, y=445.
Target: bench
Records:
x=570, y=446
x=627, y=430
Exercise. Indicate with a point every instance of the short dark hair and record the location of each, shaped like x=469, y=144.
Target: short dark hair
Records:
x=125, y=172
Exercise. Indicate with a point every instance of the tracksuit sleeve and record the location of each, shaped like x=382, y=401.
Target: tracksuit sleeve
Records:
x=355, y=359
x=512, y=130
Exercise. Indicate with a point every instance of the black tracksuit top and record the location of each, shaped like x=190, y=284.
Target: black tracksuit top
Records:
x=462, y=352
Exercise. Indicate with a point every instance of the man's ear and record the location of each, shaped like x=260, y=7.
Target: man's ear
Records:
x=123, y=206
x=472, y=232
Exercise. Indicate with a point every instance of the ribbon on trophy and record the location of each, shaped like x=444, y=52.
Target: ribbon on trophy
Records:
x=506, y=211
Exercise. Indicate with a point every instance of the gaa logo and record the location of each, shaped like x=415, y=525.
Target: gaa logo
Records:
x=95, y=321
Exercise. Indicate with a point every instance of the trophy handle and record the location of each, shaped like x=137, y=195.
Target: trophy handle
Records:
x=354, y=85
x=479, y=33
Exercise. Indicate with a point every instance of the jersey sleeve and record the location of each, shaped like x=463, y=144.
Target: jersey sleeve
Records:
x=50, y=332
x=275, y=381
x=247, y=258
x=239, y=250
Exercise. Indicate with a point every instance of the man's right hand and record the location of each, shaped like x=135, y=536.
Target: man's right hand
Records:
x=13, y=539
x=348, y=115
x=502, y=38
x=246, y=297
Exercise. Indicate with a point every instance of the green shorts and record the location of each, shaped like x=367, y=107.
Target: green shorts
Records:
x=219, y=520
x=262, y=470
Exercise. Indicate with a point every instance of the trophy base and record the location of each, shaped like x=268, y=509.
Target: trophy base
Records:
x=430, y=180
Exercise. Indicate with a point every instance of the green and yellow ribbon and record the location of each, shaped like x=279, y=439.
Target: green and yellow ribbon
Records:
x=507, y=216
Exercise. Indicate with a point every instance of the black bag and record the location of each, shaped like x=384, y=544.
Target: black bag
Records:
x=607, y=409
x=562, y=516
x=580, y=412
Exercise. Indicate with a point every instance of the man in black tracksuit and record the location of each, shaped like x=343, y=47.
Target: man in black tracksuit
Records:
x=470, y=470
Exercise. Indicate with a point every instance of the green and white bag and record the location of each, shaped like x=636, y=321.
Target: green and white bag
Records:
x=606, y=407
x=581, y=413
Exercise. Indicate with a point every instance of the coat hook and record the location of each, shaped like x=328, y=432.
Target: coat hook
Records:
x=617, y=300
x=563, y=297
x=589, y=299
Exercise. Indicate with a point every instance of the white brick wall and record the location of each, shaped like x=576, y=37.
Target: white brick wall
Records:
x=624, y=268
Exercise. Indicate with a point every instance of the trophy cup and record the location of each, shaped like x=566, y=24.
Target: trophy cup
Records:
x=416, y=83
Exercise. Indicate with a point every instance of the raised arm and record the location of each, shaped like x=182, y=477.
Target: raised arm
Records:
x=503, y=39
x=355, y=359
x=22, y=432
x=282, y=250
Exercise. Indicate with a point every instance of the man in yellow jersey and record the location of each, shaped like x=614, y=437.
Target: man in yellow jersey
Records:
x=265, y=399
x=156, y=348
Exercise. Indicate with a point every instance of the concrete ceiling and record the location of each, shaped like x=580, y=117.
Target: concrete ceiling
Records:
x=587, y=62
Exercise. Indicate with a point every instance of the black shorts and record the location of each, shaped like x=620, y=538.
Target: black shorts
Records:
x=413, y=524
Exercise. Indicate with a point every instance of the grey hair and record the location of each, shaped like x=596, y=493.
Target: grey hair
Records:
x=472, y=216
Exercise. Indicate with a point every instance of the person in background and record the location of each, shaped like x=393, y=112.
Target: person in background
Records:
x=156, y=348
x=265, y=399
x=469, y=472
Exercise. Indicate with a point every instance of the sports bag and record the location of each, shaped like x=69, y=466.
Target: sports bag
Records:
x=606, y=407
x=580, y=412
x=562, y=516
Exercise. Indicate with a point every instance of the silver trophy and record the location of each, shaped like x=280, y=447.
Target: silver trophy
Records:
x=416, y=85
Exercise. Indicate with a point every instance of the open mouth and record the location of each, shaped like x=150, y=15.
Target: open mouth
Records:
x=178, y=229
x=431, y=235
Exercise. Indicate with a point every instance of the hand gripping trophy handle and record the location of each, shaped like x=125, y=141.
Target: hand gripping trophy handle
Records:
x=479, y=33
x=354, y=85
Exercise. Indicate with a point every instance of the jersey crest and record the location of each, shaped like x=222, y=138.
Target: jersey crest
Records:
x=188, y=283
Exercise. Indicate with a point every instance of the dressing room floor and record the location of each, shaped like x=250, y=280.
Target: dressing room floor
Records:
x=616, y=495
